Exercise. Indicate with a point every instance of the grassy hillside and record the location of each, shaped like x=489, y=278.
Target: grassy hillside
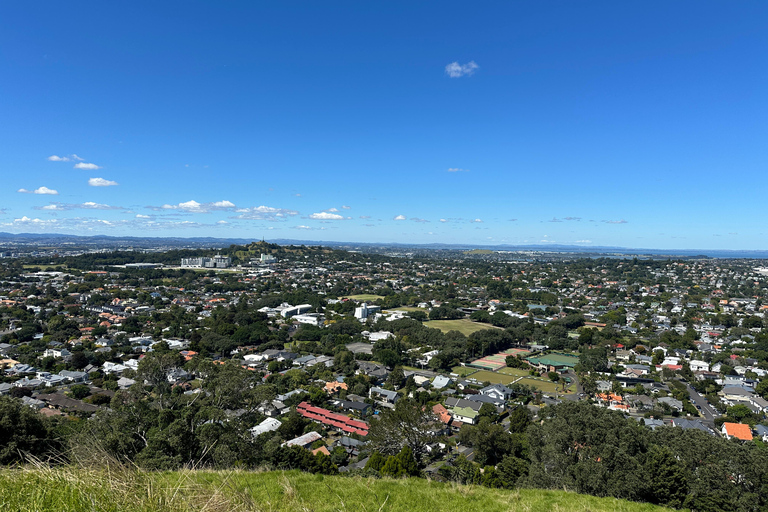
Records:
x=128, y=490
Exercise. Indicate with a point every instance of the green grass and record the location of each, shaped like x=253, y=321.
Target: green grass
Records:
x=406, y=309
x=364, y=297
x=493, y=377
x=463, y=371
x=128, y=490
x=517, y=372
x=464, y=326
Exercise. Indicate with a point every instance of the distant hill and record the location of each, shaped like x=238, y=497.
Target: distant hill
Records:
x=104, y=241
x=128, y=490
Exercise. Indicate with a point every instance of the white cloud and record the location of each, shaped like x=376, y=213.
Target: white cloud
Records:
x=41, y=190
x=88, y=205
x=54, y=158
x=326, y=216
x=86, y=167
x=140, y=216
x=302, y=227
x=416, y=219
x=27, y=220
x=456, y=70
x=443, y=220
x=75, y=157
x=477, y=220
x=400, y=217
x=101, y=182
x=45, y=191
x=332, y=210
x=346, y=207
x=456, y=169
x=264, y=213
x=583, y=242
x=193, y=206
x=222, y=222
x=622, y=221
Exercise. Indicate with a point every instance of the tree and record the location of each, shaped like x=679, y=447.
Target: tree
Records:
x=375, y=462
x=22, y=430
x=79, y=391
x=668, y=485
x=519, y=419
x=511, y=469
x=408, y=424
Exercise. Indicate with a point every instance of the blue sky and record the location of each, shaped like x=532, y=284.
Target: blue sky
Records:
x=633, y=124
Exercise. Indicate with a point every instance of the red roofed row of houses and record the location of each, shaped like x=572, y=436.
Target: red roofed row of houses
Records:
x=332, y=419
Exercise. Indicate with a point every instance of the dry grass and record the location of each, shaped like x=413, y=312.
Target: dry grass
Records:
x=116, y=487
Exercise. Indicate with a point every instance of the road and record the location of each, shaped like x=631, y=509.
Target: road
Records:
x=706, y=410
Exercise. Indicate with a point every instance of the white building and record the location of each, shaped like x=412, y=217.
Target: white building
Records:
x=217, y=261
x=365, y=311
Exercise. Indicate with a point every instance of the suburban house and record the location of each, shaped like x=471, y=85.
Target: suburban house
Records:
x=737, y=430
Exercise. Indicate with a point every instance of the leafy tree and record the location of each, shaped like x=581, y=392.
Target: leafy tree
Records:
x=79, y=391
x=408, y=424
x=668, y=485
x=22, y=430
x=376, y=461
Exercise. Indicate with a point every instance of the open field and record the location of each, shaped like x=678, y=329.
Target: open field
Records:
x=463, y=371
x=363, y=297
x=493, y=377
x=67, y=489
x=405, y=308
x=547, y=386
x=516, y=372
x=464, y=326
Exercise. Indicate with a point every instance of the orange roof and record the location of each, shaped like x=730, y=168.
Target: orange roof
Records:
x=331, y=387
x=442, y=413
x=738, y=430
x=322, y=449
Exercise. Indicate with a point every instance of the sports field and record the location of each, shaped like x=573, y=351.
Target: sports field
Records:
x=497, y=361
x=464, y=326
x=493, y=377
x=363, y=297
x=515, y=372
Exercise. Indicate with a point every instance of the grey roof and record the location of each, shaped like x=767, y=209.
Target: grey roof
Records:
x=691, y=424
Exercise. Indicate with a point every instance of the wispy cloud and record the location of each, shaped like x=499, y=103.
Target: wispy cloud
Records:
x=443, y=220
x=88, y=205
x=41, y=190
x=554, y=219
x=476, y=220
x=456, y=70
x=86, y=167
x=345, y=207
x=101, y=182
x=326, y=216
x=622, y=221
x=56, y=158
x=456, y=169
x=193, y=206
x=572, y=218
x=264, y=213
x=400, y=217
x=416, y=219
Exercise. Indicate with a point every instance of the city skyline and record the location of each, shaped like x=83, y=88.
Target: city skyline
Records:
x=594, y=124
